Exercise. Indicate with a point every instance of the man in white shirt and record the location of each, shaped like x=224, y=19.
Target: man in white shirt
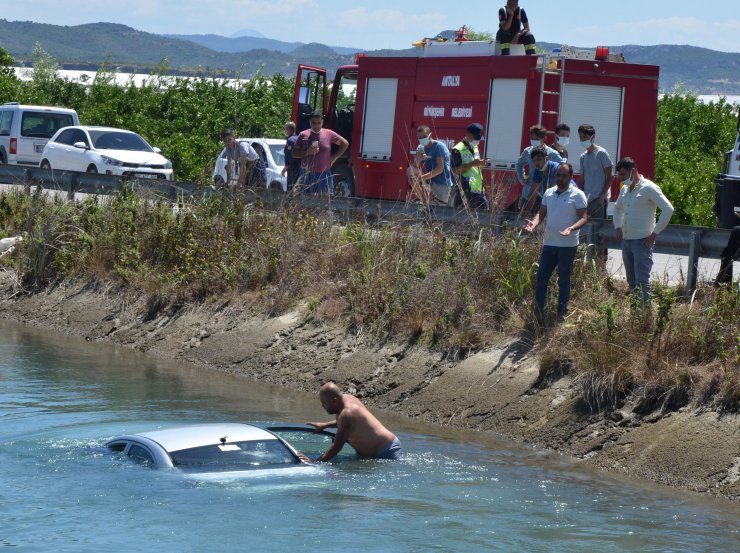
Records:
x=634, y=221
x=564, y=206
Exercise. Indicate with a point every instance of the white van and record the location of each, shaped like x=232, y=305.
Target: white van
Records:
x=25, y=130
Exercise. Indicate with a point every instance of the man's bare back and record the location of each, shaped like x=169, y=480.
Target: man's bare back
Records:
x=355, y=424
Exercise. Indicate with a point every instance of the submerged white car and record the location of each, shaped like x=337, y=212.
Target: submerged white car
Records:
x=217, y=447
x=270, y=150
x=104, y=150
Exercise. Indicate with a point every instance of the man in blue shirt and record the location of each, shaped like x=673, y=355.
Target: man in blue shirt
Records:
x=430, y=174
x=537, y=135
x=543, y=178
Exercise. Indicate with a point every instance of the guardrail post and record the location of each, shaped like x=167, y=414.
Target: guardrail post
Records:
x=693, y=272
x=71, y=187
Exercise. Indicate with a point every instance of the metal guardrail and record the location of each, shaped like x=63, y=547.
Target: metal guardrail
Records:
x=694, y=242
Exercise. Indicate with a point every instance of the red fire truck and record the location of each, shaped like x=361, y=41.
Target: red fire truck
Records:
x=453, y=84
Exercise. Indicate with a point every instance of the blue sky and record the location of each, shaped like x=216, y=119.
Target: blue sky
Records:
x=395, y=24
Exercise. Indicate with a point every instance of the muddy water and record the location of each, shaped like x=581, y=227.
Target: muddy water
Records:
x=60, y=399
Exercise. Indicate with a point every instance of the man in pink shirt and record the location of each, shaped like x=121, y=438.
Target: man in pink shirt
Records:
x=313, y=148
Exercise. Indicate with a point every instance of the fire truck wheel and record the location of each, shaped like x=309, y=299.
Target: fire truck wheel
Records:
x=344, y=182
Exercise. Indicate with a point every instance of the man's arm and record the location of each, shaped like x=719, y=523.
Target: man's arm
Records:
x=437, y=170
x=520, y=163
x=343, y=145
x=300, y=148
x=666, y=212
x=505, y=23
x=534, y=223
x=608, y=176
x=525, y=22
x=340, y=438
x=619, y=216
x=582, y=220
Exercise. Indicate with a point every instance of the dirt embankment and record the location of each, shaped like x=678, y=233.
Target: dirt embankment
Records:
x=498, y=389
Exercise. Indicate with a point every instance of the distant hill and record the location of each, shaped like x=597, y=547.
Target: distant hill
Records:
x=89, y=46
x=246, y=43
x=247, y=32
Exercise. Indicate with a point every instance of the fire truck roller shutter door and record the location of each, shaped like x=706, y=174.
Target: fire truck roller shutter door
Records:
x=378, y=119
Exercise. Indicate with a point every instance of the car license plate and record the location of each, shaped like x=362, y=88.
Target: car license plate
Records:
x=38, y=148
x=146, y=175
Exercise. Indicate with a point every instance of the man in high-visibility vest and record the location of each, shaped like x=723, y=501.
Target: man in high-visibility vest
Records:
x=467, y=163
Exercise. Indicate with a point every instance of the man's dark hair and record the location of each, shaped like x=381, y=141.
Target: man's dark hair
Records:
x=539, y=151
x=588, y=130
x=226, y=133
x=562, y=127
x=539, y=130
x=316, y=114
x=569, y=166
x=626, y=163
x=423, y=128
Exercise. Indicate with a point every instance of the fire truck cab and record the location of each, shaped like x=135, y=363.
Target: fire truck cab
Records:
x=453, y=84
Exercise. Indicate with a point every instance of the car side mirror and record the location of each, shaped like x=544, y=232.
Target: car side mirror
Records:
x=156, y=150
x=80, y=145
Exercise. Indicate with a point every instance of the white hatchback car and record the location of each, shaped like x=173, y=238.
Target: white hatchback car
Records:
x=105, y=150
x=271, y=152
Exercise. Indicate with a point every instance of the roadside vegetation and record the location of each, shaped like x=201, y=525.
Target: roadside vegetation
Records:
x=411, y=281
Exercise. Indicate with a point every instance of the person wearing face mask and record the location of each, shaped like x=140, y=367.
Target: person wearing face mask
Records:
x=543, y=178
x=596, y=172
x=634, y=221
x=467, y=164
x=314, y=148
x=429, y=174
x=537, y=134
x=562, y=139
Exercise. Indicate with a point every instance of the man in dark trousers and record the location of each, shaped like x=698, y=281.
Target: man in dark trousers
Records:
x=729, y=254
x=292, y=164
x=513, y=28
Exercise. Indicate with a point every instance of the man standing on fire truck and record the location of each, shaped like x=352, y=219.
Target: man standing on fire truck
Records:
x=514, y=28
x=467, y=164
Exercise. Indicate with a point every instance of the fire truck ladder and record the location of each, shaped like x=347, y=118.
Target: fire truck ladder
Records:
x=550, y=66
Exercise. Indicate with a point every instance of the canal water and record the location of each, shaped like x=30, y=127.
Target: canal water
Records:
x=60, y=490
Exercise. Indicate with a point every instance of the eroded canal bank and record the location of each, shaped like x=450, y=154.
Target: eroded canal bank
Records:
x=496, y=390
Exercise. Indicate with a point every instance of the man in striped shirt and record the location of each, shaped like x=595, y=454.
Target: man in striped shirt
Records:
x=634, y=221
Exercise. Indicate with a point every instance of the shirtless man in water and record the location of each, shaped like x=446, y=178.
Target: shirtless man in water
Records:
x=355, y=425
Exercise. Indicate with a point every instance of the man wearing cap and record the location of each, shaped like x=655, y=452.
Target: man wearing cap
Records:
x=313, y=147
x=466, y=165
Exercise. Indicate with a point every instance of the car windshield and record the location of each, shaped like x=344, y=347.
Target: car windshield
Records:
x=277, y=153
x=259, y=454
x=114, y=140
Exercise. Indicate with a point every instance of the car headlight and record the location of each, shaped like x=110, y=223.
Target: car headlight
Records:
x=168, y=164
x=110, y=161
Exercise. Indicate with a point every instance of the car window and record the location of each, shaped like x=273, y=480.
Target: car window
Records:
x=114, y=140
x=65, y=137
x=258, y=454
x=80, y=136
x=35, y=124
x=6, y=121
x=224, y=153
x=260, y=151
x=140, y=455
x=278, y=154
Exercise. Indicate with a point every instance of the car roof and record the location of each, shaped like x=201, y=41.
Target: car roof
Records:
x=98, y=128
x=14, y=105
x=186, y=437
x=265, y=140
